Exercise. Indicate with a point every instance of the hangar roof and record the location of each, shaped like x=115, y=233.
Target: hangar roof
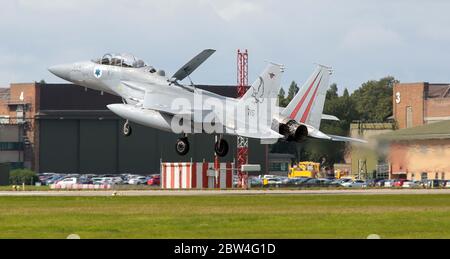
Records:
x=438, y=91
x=438, y=130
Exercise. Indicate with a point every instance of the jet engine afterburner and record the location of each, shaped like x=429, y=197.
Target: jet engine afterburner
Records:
x=294, y=131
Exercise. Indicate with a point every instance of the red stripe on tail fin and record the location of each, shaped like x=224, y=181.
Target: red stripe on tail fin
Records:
x=308, y=109
x=300, y=104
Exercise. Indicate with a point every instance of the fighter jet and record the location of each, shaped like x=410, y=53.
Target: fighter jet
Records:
x=152, y=99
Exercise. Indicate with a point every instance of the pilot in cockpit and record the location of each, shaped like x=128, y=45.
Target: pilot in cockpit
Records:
x=126, y=60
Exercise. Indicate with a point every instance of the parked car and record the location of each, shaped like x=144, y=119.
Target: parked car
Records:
x=389, y=183
x=141, y=180
x=67, y=181
x=54, y=179
x=154, y=180
x=274, y=181
x=399, y=183
x=355, y=184
x=100, y=180
x=339, y=182
x=255, y=182
x=325, y=181
x=412, y=184
x=311, y=182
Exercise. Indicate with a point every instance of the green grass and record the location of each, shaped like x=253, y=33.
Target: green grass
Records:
x=268, y=216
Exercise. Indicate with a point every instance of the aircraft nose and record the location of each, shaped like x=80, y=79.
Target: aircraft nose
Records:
x=62, y=71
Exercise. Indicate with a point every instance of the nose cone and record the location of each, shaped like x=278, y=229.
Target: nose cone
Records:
x=62, y=71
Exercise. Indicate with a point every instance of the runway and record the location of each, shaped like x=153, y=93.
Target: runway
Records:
x=221, y=193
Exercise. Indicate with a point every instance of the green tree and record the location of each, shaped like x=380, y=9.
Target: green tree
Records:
x=282, y=98
x=373, y=100
x=22, y=176
x=293, y=90
x=332, y=93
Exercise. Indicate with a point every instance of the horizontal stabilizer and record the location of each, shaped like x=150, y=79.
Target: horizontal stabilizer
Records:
x=320, y=135
x=347, y=139
x=330, y=117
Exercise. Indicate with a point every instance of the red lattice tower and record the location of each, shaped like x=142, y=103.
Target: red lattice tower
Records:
x=242, y=149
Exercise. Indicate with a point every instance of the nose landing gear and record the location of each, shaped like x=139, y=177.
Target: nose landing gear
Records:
x=127, y=130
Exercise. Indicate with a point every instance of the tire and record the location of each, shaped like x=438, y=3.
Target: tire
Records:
x=182, y=146
x=222, y=148
x=127, y=130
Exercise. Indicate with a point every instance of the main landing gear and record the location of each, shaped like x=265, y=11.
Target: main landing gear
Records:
x=182, y=147
x=127, y=130
x=221, y=147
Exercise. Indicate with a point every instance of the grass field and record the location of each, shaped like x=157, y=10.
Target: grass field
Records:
x=269, y=216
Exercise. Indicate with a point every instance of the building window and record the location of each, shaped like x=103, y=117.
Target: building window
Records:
x=424, y=176
x=382, y=171
x=413, y=177
x=443, y=176
x=436, y=176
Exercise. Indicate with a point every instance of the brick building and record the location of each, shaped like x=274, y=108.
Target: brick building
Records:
x=418, y=104
x=18, y=107
x=420, y=149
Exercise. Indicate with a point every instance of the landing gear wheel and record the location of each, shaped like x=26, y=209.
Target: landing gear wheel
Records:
x=182, y=146
x=127, y=130
x=222, y=148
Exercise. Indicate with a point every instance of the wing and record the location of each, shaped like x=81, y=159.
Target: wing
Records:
x=192, y=65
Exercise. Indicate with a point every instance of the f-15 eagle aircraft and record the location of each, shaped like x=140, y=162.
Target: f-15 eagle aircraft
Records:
x=154, y=100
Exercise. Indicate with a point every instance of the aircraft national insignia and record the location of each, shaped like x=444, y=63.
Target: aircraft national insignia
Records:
x=98, y=73
x=258, y=92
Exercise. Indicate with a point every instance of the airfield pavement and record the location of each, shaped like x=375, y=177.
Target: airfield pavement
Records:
x=221, y=192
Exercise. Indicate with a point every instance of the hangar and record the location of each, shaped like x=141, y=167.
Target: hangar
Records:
x=68, y=129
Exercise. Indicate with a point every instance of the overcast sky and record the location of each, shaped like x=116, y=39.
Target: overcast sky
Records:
x=361, y=39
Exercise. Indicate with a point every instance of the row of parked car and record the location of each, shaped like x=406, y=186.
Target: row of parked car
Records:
x=274, y=181
x=125, y=179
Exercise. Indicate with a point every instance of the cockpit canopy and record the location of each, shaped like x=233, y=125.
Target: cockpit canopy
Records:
x=121, y=60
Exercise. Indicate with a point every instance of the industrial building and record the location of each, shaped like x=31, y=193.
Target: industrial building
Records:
x=420, y=153
x=418, y=104
x=416, y=144
x=64, y=128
